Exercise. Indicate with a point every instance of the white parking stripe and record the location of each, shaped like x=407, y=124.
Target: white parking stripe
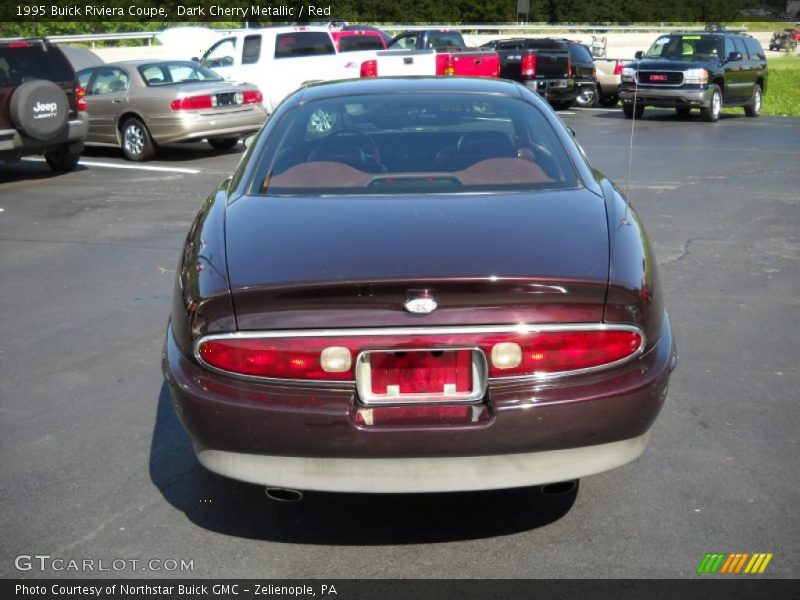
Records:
x=91, y=163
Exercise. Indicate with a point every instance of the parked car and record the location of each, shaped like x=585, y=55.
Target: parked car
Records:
x=279, y=60
x=453, y=57
x=543, y=65
x=436, y=293
x=609, y=76
x=785, y=40
x=584, y=72
x=138, y=105
x=706, y=70
x=354, y=40
x=42, y=109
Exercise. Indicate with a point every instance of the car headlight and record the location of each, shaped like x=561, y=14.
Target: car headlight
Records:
x=628, y=73
x=695, y=76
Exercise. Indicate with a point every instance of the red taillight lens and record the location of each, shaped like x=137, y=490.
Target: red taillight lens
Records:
x=192, y=103
x=252, y=97
x=397, y=360
x=569, y=65
x=80, y=95
x=369, y=68
x=618, y=67
x=529, y=66
x=19, y=44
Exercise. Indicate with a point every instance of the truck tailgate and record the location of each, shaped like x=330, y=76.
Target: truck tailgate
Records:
x=406, y=62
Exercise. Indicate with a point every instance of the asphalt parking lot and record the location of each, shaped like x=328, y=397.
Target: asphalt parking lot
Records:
x=95, y=465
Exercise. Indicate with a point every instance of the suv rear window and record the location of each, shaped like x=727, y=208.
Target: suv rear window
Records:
x=33, y=61
x=413, y=143
x=303, y=43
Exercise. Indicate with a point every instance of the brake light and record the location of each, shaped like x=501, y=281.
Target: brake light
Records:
x=80, y=95
x=618, y=67
x=449, y=65
x=569, y=65
x=19, y=45
x=252, y=97
x=516, y=352
x=369, y=68
x=193, y=103
x=529, y=66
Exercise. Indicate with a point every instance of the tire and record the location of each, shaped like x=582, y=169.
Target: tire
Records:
x=629, y=110
x=62, y=160
x=683, y=112
x=587, y=98
x=222, y=143
x=561, y=104
x=137, y=145
x=753, y=109
x=711, y=114
x=609, y=101
x=39, y=109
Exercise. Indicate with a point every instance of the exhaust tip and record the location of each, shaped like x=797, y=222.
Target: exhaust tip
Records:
x=559, y=489
x=283, y=495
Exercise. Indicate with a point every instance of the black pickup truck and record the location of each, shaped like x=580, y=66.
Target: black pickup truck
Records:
x=705, y=70
x=543, y=65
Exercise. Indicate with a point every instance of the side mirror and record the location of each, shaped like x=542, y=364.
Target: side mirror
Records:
x=195, y=58
x=248, y=140
x=734, y=56
x=639, y=54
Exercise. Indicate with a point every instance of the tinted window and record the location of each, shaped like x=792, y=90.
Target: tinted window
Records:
x=580, y=53
x=83, y=77
x=360, y=42
x=739, y=44
x=108, y=80
x=251, y=50
x=687, y=47
x=413, y=143
x=167, y=73
x=303, y=43
x=754, y=49
x=34, y=61
x=440, y=40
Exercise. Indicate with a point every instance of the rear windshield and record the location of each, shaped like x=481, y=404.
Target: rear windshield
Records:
x=167, y=73
x=360, y=42
x=580, y=53
x=687, y=47
x=33, y=61
x=413, y=143
x=303, y=43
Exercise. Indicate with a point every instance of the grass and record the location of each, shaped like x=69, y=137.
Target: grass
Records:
x=782, y=97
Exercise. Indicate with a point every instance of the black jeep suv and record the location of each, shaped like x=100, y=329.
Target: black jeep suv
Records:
x=42, y=110
x=706, y=70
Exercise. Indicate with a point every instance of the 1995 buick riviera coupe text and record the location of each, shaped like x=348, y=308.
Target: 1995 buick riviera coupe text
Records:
x=416, y=285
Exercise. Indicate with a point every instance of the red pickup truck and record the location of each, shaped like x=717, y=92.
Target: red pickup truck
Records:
x=433, y=52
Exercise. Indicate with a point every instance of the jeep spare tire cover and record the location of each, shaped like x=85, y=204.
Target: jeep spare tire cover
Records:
x=39, y=109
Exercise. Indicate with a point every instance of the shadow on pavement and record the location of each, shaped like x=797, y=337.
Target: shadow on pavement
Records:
x=238, y=509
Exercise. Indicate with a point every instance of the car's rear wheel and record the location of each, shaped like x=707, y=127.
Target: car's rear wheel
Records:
x=587, y=98
x=754, y=108
x=137, y=145
x=62, y=159
x=222, y=143
x=683, y=112
x=711, y=113
x=629, y=110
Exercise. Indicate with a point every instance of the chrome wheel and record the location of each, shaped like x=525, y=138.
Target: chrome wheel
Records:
x=133, y=139
x=716, y=105
x=757, y=100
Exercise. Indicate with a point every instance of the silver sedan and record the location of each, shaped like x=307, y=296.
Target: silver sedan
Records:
x=140, y=104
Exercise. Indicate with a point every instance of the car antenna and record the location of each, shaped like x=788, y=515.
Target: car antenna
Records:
x=630, y=143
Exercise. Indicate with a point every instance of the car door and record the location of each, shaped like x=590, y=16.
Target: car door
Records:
x=734, y=72
x=106, y=97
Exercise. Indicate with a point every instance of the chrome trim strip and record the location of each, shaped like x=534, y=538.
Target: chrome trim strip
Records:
x=521, y=328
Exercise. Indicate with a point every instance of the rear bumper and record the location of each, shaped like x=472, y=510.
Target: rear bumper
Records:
x=171, y=128
x=13, y=144
x=418, y=475
x=683, y=97
x=560, y=90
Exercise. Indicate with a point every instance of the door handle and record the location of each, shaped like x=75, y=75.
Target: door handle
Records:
x=116, y=101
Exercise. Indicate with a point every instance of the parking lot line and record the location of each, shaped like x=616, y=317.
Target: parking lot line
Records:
x=91, y=163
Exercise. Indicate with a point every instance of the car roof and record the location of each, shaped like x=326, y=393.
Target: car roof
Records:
x=395, y=85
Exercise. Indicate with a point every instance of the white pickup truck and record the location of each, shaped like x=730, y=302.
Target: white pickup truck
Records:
x=281, y=59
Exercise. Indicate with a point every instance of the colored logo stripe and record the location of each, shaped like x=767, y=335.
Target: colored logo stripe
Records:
x=733, y=563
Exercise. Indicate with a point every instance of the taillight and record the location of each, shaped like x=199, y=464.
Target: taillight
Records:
x=423, y=361
x=618, y=67
x=193, y=103
x=569, y=65
x=19, y=44
x=80, y=95
x=252, y=97
x=529, y=66
x=449, y=65
x=369, y=68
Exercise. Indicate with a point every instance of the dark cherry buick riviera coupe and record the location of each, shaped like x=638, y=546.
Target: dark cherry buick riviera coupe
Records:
x=416, y=285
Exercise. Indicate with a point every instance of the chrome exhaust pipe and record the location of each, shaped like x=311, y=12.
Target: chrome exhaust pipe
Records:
x=559, y=489
x=283, y=494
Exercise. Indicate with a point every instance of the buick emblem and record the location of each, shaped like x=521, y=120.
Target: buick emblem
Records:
x=420, y=302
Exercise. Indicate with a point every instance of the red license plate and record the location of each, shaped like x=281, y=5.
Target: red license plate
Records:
x=434, y=372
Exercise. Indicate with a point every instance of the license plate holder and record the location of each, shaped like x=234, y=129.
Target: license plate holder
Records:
x=421, y=376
